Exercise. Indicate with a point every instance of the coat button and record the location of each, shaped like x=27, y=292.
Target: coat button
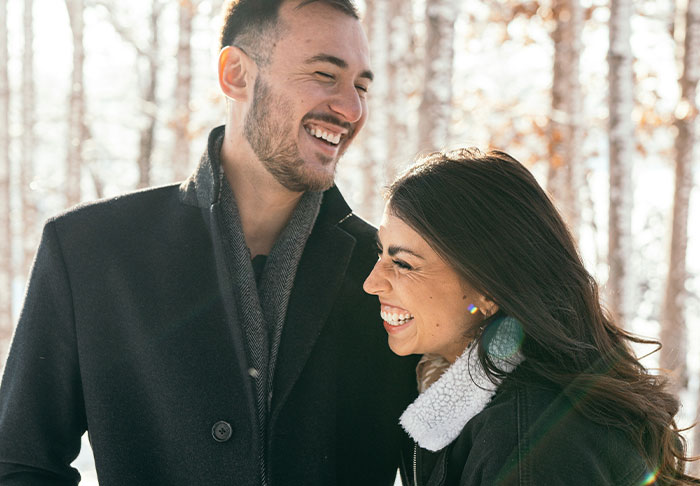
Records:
x=221, y=431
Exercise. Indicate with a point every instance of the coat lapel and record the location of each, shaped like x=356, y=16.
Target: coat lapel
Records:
x=319, y=276
x=202, y=189
x=225, y=280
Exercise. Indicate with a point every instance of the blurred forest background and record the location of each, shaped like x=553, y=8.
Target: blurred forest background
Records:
x=597, y=97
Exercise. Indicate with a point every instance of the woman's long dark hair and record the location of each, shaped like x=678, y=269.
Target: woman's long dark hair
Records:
x=486, y=215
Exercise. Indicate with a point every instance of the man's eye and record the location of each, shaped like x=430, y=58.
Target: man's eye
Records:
x=324, y=75
x=402, y=264
x=361, y=88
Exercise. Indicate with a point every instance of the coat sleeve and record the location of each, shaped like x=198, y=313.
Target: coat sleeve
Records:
x=42, y=416
x=514, y=447
x=537, y=464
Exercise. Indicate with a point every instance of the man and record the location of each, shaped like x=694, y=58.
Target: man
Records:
x=216, y=332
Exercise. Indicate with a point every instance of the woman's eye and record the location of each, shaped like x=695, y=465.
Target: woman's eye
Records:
x=402, y=264
x=361, y=88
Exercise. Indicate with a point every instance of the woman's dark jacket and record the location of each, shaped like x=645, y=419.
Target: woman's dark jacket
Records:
x=529, y=434
x=128, y=331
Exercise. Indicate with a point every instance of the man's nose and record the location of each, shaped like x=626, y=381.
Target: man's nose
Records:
x=348, y=104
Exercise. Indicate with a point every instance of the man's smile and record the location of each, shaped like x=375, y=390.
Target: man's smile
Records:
x=326, y=135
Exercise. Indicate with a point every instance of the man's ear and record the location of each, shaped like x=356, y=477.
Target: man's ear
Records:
x=236, y=73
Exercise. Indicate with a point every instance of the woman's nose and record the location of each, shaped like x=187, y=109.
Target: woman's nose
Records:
x=375, y=283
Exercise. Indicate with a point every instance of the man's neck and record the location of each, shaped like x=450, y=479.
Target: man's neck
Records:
x=264, y=205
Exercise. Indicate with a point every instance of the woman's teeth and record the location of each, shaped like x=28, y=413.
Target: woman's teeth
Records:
x=324, y=135
x=394, y=319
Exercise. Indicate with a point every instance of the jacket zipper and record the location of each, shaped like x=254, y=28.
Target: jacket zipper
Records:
x=415, y=462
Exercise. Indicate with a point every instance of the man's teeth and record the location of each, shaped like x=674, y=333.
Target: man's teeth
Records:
x=322, y=134
x=394, y=319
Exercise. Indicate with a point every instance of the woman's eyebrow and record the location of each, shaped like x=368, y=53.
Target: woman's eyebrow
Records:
x=394, y=249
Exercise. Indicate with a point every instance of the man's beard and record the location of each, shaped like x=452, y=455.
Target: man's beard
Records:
x=271, y=136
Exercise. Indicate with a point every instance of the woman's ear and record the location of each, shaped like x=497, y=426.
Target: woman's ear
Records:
x=487, y=306
x=236, y=72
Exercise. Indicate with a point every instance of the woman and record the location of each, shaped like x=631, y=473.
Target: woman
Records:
x=524, y=379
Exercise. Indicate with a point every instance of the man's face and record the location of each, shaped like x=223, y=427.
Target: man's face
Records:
x=310, y=102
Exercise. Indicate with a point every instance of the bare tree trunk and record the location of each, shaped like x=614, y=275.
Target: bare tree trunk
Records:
x=695, y=467
x=97, y=183
x=146, y=141
x=673, y=327
x=149, y=54
x=77, y=133
x=183, y=89
x=371, y=141
x=565, y=175
x=26, y=166
x=6, y=270
x=400, y=70
x=436, y=106
x=622, y=153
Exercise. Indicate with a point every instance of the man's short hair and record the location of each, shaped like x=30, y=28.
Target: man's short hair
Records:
x=253, y=25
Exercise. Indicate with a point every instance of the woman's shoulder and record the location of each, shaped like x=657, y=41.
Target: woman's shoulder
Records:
x=531, y=429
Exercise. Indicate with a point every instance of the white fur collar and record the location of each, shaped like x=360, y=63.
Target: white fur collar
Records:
x=440, y=413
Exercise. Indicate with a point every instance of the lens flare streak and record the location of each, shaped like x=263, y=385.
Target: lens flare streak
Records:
x=650, y=478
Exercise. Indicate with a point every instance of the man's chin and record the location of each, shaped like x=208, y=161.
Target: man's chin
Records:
x=306, y=183
x=315, y=174
x=318, y=175
x=316, y=185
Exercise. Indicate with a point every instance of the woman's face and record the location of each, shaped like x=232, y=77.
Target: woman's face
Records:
x=426, y=306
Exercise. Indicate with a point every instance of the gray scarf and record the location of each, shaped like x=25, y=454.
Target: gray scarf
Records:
x=262, y=310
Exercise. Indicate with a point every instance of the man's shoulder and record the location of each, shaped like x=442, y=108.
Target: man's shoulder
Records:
x=144, y=217
x=335, y=211
x=365, y=236
x=358, y=227
x=128, y=206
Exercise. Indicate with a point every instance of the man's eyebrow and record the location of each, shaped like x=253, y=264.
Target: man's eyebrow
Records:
x=338, y=62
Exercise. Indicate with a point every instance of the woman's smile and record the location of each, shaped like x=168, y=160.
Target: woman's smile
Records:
x=395, y=316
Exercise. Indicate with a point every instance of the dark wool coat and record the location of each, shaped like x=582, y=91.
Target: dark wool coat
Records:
x=529, y=434
x=129, y=331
